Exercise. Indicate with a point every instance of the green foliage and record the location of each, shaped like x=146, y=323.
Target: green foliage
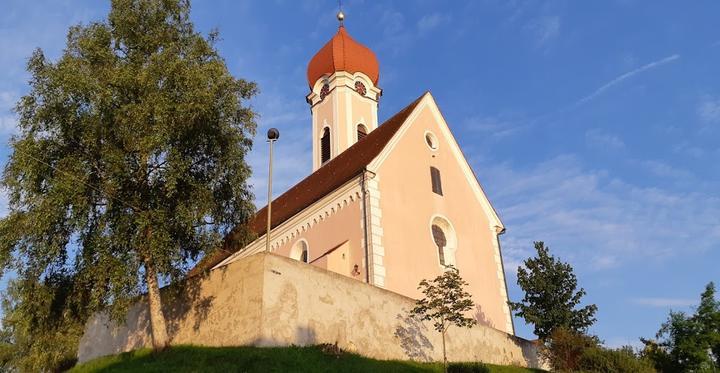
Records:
x=570, y=351
x=689, y=343
x=621, y=360
x=551, y=299
x=445, y=302
x=564, y=348
x=40, y=328
x=130, y=156
x=468, y=368
x=253, y=359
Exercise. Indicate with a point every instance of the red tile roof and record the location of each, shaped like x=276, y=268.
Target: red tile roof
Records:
x=343, y=53
x=320, y=183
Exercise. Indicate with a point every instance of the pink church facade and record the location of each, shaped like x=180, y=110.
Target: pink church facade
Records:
x=388, y=204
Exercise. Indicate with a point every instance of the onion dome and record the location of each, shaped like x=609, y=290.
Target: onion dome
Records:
x=343, y=53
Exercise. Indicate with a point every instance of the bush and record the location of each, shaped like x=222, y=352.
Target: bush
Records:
x=622, y=360
x=595, y=359
x=565, y=347
x=468, y=368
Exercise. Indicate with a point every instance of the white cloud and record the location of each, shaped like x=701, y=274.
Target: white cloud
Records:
x=605, y=262
x=3, y=203
x=545, y=29
x=625, y=76
x=665, y=170
x=665, y=302
x=7, y=99
x=496, y=127
x=594, y=220
x=8, y=121
x=709, y=109
x=692, y=150
x=392, y=22
x=598, y=139
x=397, y=37
x=292, y=152
x=8, y=125
x=431, y=21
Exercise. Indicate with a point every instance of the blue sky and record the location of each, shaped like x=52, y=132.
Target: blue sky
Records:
x=593, y=126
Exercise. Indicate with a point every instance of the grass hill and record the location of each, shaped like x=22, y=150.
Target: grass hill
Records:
x=254, y=359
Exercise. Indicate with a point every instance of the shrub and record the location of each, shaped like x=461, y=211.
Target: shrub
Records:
x=331, y=349
x=565, y=347
x=468, y=368
x=622, y=360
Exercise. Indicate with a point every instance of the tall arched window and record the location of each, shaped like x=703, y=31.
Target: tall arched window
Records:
x=361, y=132
x=299, y=251
x=440, y=242
x=445, y=241
x=325, y=146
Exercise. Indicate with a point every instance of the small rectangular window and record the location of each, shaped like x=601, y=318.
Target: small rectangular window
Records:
x=436, y=182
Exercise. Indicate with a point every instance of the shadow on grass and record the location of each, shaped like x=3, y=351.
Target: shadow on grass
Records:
x=253, y=359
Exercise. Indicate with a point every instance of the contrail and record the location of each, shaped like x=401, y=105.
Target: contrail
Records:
x=627, y=75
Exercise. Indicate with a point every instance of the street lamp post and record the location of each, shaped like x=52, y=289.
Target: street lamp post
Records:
x=272, y=135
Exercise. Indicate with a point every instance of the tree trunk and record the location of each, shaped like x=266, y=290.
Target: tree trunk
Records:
x=444, y=355
x=157, y=319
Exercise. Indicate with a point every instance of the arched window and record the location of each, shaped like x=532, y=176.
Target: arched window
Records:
x=299, y=251
x=361, y=132
x=325, y=146
x=445, y=241
x=440, y=242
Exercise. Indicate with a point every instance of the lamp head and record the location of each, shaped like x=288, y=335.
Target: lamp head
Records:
x=273, y=134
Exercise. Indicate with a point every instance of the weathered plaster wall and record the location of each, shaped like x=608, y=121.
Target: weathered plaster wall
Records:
x=221, y=309
x=269, y=300
x=303, y=305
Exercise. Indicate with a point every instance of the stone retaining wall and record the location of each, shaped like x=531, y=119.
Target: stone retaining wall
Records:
x=268, y=300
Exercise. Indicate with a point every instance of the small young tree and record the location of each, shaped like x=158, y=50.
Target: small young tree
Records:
x=550, y=295
x=445, y=303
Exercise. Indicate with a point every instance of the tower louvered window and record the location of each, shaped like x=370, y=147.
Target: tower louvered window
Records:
x=436, y=182
x=440, y=242
x=325, y=146
x=361, y=132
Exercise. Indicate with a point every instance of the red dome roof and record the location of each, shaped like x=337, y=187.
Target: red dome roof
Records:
x=343, y=53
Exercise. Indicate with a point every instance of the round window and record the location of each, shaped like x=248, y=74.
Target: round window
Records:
x=431, y=140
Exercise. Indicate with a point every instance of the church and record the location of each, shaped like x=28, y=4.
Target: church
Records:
x=388, y=204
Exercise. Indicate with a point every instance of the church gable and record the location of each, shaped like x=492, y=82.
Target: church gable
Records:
x=438, y=131
x=428, y=211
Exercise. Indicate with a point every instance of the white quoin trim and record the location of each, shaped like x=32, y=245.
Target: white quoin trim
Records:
x=375, y=233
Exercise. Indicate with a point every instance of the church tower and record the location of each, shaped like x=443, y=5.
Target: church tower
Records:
x=343, y=98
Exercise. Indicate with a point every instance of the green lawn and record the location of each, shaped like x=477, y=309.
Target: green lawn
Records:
x=254, y=359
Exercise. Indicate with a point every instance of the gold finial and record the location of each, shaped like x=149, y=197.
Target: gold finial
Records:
x=340, y=14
